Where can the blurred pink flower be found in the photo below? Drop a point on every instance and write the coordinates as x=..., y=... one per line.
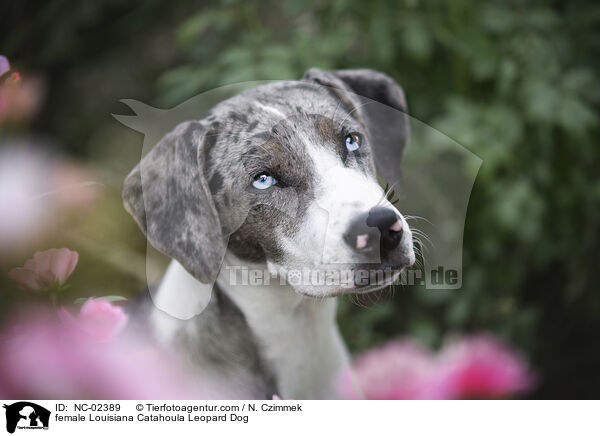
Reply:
x=19, y=98
x=473, y=367
x=43, y=358
x=481, y=367
x=398, y=370
x=4, y=65
x=24, y=215
x=99, y=319
x=35, y=189
x=45, y=269
x=73, y=185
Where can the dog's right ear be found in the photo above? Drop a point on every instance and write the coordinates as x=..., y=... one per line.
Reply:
x=168, y=196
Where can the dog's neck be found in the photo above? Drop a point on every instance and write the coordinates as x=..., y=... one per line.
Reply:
x=297, y=337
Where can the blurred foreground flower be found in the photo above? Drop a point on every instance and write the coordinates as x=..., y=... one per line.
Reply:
x=47, y=269
x=472, y=367
x=98, y=318
x=23, y=214
x=72, y=185
x=4, y=65
x=396, y=371
x=481, y=367
x=43, y=358
x=19, y=99
x=35, y=191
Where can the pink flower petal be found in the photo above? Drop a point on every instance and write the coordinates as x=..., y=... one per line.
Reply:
x=66, y=318
x=395, y=371
x=26, y=278
x=46, y=268
x=481, y=367
x=472, y=367
x=39, y=262
x=4, y=65
x=44, y=359
x=100, y=319
x=62, y=263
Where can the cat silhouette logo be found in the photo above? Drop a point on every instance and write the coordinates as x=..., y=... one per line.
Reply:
x=26, y=415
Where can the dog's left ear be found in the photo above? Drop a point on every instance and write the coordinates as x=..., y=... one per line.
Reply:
x=381, y=104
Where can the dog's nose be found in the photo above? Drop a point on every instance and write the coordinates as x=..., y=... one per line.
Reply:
x=380, y=227
x=389, y=226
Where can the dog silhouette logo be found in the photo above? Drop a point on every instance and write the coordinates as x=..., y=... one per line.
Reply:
x=26, y=415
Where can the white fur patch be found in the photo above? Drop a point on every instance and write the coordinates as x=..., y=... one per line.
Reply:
x=271, y=110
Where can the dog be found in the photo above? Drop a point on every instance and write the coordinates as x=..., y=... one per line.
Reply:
x=280, y=178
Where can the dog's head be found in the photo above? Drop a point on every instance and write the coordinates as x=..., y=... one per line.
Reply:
x=284, y=174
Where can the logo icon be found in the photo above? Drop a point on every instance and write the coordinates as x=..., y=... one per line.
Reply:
x=26, y=415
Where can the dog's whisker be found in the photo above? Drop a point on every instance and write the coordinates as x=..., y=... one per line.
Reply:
x=336, y=109
x=389, y=193
x=416, y=217
x=420, y=252
x=423, y=250
x=354, y=110
x=418, y=259
x=424, y=236
x=420, y=232
x=356, y=300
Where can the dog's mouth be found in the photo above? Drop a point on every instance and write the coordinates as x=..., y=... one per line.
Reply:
x=377, y=286
x=368, y=287
x=331, y=280
x=372, y=287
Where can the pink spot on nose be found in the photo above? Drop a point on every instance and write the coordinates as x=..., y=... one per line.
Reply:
x=397, y=226
x=361, y=241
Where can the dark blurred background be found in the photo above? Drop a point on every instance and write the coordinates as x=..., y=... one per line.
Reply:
x=515, y=82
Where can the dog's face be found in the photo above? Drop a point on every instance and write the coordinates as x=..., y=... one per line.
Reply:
x=284, y=174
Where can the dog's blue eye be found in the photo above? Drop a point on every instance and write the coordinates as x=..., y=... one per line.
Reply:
x=353, y=141
x=263, y=181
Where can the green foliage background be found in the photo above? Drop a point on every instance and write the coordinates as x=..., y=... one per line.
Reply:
x=516, y=82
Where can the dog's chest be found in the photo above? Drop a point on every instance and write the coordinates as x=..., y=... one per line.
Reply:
x=297, y=337
x=257, y=340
